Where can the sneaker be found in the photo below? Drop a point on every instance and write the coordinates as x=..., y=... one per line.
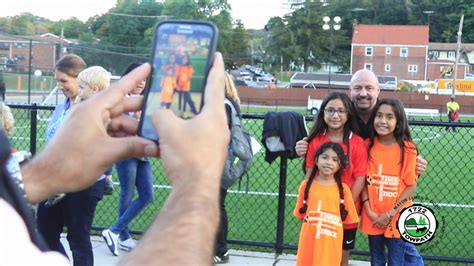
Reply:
x=111, y=239
x=109, y=187
x=53, y=200
x=220, y=259
x=127, y=245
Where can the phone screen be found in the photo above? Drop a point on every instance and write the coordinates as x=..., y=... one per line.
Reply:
x=181, y=59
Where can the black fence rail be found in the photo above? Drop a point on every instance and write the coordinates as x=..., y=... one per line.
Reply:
x=260, y=206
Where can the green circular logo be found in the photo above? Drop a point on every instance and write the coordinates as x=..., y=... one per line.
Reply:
x=417, y=224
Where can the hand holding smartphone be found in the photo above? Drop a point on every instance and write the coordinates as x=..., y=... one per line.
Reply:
x=181, y=59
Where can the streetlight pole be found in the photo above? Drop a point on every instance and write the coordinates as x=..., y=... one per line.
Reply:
x=428, y=12
x=455, y=71
x=330, y=25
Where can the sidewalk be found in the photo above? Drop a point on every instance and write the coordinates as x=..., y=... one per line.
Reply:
x=103, y=257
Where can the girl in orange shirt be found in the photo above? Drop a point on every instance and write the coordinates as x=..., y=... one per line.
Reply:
x=168, y=83
x=391, y=183
x=324, y=204
x=185, y=74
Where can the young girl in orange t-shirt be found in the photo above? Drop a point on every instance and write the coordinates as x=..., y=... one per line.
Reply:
x=324, y=204
x=391, y=183
x=336, y=122
x=168, y=83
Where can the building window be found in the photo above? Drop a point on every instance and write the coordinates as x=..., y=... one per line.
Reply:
x=413, y=68
x=388, y=67
x=451, y=54
x=404, y=52
x=388, y=50
x=433, y=54
x=368, y=51
x=368, y=66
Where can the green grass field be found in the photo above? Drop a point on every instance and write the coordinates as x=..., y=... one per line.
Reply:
x=252, y=205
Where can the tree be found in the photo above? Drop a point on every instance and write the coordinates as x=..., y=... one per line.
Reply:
x=223, y=21
x=126, y=23
x=28, y=24
x=182, y=9
x=240, y=44
x=72, y=28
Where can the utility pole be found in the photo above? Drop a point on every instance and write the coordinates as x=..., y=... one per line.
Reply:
x=455, y=71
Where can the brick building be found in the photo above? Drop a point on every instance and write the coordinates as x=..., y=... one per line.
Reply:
x=45, y=51
x=391, y=50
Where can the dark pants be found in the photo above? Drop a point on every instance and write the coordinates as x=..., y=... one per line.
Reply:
x=221, y=241
x=76, y=212
x=450, y=121
x=188, y=100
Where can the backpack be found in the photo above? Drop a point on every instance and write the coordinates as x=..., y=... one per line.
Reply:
x=239, y=158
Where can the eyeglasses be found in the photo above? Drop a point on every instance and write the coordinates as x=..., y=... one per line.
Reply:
x=331, y=111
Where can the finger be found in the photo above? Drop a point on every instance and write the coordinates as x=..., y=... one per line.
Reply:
x=115, y=94
x=214, y=92
x=132, y=146
x=123, y=125
x=129, y=104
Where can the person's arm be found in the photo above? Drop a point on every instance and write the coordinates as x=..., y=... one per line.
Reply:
x=358, y=159
x=366, y=204
x=357, y=187
x=79, y=152
x=421, y=165
x=383, y=220
x=193, y=153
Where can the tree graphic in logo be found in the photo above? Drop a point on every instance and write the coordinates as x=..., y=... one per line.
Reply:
x=417, y=224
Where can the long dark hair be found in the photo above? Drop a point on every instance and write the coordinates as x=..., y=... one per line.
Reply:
x=319, y=125
x=131, y=67
x=402, y=130
x=337, y=176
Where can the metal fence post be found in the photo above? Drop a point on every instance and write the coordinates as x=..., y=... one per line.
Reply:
x=281, y=205
x=33, y=128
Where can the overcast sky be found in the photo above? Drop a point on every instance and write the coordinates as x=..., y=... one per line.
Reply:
x=253, y=13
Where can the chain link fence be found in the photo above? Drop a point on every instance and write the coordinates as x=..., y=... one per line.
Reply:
x=260, y=206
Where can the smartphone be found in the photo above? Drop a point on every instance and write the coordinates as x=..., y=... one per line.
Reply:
x=181, y=57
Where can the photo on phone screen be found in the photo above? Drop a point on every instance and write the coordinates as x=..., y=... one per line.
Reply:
x=181, y=58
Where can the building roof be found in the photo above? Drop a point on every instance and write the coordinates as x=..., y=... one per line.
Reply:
x=47, y=38
x=450, y=46
x=391, y=34
x=321, y=80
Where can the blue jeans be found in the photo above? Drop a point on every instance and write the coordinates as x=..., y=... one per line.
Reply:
x=76, y=212
x=400, y=252
x=132, y=173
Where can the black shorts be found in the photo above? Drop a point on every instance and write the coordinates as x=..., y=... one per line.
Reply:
x=349, y=239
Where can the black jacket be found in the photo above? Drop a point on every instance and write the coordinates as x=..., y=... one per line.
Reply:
x=290, y=127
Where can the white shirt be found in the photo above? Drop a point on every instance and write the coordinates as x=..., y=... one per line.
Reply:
x=16, y=247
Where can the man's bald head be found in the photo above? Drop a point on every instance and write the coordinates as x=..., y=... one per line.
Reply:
x=364, y=91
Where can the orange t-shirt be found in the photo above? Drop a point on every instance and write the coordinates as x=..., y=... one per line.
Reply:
x=168, y=84
x=185, y=73
x=321, y=233
x=386, y=180
x=357, y=157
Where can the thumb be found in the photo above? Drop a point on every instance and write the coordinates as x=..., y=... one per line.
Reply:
x=133, y=146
